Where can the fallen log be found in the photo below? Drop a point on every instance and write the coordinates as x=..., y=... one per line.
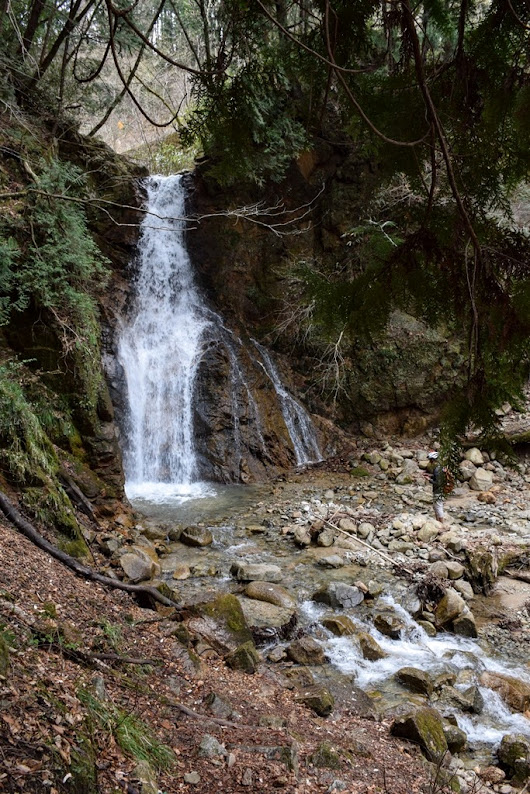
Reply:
x=29, y=531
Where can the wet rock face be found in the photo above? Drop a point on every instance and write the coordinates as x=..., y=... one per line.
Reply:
x=240, y=432
x=424, y=727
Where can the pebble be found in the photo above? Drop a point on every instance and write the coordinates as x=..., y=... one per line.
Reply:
x=192, y=777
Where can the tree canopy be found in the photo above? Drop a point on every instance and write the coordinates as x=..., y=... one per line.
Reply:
x=435, y=94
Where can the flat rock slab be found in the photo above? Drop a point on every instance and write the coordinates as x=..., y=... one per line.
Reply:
x=256, y=572
x=272, y=593
x=261, y=614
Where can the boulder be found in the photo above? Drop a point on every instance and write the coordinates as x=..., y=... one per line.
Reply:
x=210, y=747
x=514, y=757
x=317, y=698
x=221, y=623
x=196, y=536
x=262, y=615
x=429, y=531
x=252, y=572
x=145, y=775
x=465, y=625
x=449, y=608
x=424, y=727
x=331, y=561
x=389, y=624
x=475, y=456
x=455, y=737
x=514, y=692
x=469, y=700
x=272, y=593
x=415, y=680
x=340, y=625
x=370, y=648
x=138, y=565
x=439, y=569
x=306, y=651
x=339, y=595
x=245, y=658
x=467, y=470
x=482, y=480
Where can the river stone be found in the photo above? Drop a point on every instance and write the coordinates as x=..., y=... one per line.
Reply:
x=340, y=625
x=464, y=588
x=475, y=456
x=449, y=608
x=425, y=728
x=256, y=572
x=467, y=470
x=429, y=531
x=196, y=536
x=427, y=627
x=415, y=680
x=365, y=529
x=482, y=480
x=465, y=625
x=181, y=572
x=370, y=648
x=514, y=757
x=469, y=700
x=455, y=737
x=455, y=569
x=262, y=614
x=221, y=623
x=302, y=536
x=389, y=624
x=317, y=698
x=514, y=692
x=272, y=593
x=439, y=569
x=305, y=651
x=331, y=561
x=326, y=538
x=339, y=595
x=347, y=525
x=138, y=565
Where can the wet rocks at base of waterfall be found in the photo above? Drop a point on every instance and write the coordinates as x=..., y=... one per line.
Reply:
x=306, y=651
x=514, y=758
x=250, y=572
x=415, y=680
x=514, y=692
x=139, y=564
x=424, y=727
x=339, y=595
x=272, y=593
x=196, y=536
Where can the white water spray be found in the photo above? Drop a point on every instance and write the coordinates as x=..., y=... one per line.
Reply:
x=160, y=350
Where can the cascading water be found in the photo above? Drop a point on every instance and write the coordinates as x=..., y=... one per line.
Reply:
x=160, y=349
x=296, y=418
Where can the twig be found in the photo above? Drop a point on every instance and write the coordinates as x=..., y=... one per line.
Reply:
x=366, y=545
x=84, y=571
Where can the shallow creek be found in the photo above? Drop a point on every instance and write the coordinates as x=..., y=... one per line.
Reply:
x=247, y=524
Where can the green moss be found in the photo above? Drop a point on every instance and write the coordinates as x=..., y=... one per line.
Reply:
x=4, y=656
x=83, y=766
x=227, y=610
x=325, y=756
x=245, y=658
x=359, y=471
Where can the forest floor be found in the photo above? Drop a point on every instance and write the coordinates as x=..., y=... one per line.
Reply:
x=71, y=722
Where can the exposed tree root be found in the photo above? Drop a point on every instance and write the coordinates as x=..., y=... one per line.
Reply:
x=29, y=531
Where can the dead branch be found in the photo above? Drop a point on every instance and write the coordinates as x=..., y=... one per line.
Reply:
x=521, y=576
x=29, y=531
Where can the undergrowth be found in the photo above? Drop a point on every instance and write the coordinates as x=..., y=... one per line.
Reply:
x=132, y=734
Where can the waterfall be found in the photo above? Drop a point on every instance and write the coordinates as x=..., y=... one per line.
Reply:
x=159, y=348
x=296, y=418
x=160, y=345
